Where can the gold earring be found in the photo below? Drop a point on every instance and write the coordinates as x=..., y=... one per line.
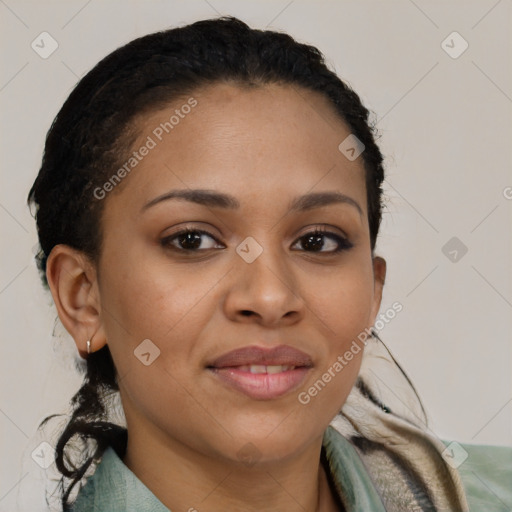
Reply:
x=88, y=346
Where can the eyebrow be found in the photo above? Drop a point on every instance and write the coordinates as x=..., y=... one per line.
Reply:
x=219, y=200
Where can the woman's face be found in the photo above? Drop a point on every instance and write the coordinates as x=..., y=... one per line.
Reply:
x=252, y=274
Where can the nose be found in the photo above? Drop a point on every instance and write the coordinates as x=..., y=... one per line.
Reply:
x=265, y=292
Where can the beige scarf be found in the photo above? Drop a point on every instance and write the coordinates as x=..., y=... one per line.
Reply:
x=385, y=422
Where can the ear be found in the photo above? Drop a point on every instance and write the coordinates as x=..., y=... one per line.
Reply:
x=72, y=278
x=379, y=277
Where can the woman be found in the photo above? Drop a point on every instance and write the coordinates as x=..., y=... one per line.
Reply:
x=207, y=208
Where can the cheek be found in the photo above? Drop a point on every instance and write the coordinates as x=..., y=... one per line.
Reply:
x=157, y=377
x=344, y=304
x=147, y=302
x=150, y=293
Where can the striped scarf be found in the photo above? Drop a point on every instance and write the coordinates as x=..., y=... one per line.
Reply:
x=384, y=420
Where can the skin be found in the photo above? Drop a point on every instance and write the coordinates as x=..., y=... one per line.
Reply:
x=265, y=146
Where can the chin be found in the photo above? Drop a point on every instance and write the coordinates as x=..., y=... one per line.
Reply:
x=268, y=440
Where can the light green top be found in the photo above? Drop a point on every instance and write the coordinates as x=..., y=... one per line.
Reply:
x=486, y=475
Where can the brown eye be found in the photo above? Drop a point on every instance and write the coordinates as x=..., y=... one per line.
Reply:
x=322, y=241
x=192, y=240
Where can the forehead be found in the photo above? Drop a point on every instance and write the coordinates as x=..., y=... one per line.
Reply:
x=260, y=142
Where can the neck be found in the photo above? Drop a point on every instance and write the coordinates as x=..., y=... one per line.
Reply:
x=183, y=479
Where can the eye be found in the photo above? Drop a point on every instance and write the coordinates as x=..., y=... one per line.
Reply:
x=190, y=240
x=321, y=240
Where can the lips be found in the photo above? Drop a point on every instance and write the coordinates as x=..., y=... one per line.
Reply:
x=283, y=355
x=262, y=373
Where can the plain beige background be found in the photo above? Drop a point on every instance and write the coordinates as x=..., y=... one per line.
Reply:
x=445, y=123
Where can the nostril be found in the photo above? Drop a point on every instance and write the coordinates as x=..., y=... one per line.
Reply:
x=246, y=312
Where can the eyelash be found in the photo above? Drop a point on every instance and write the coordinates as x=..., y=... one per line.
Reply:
x=343, y=243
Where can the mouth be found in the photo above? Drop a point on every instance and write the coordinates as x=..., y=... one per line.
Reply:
x=262, y=373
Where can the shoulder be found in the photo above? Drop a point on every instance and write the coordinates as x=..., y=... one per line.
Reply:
x=115, y=488
x=486, y=474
